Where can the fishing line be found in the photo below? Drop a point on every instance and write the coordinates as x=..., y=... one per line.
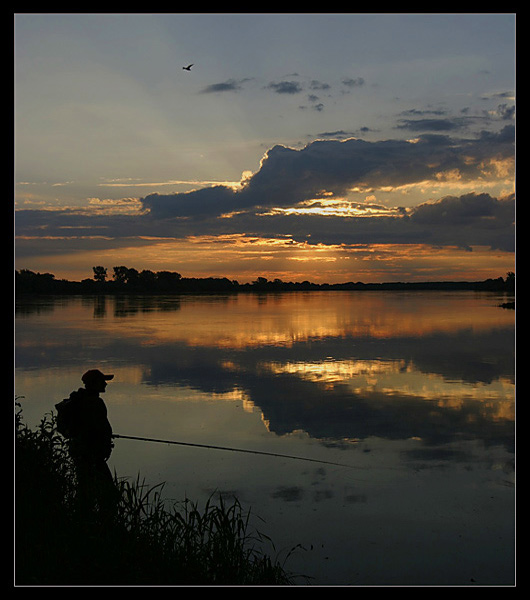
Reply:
x=210, y=447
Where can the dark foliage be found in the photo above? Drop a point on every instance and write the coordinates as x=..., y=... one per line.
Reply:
x=130, y=281
x=147, y=541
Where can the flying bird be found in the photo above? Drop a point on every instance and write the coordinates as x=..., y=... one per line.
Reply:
x=188, y=68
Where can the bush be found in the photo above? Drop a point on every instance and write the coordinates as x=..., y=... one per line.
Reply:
x=150, y=541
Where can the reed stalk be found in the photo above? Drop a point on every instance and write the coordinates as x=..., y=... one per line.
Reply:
x=149, y=540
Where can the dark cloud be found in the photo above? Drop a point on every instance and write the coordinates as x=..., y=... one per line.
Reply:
x=431, y=124
x=469, y=220
x=198, y=203
x=505, y=138
x=438, y=120
x=231, y=85
x=319, y=85
x=457, y=210
x=415, y=112
x=315, y=103
x=349, y=82
x=462, y=221
x=339, y=133
x=508, y=95
x=342, y=133
x=505, y=112
x=285, y=87
x=465, y=221
x=288, y=177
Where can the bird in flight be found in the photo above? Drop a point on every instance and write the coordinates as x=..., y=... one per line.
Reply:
x=188, y=68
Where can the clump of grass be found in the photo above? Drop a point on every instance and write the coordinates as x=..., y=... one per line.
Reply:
x=214, y=545
x=150, y=540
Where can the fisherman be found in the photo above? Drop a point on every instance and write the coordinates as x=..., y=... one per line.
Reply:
x=83, y=419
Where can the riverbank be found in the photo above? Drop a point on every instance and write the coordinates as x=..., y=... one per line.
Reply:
x=131, y=281
x=147, y=542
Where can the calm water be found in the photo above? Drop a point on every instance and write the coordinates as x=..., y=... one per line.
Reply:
x=415, y=391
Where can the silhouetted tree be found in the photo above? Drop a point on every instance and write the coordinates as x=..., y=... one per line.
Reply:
x=28, y=281
x=147, y=279
x=260, y=282
x=167, y=280
x=120, y=274
x=129, y=280
x=132, y=277
x=100, y=273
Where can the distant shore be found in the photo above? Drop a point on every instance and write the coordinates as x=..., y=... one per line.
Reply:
x=131, y=281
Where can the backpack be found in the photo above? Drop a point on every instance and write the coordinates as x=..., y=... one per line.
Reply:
x=67, y=421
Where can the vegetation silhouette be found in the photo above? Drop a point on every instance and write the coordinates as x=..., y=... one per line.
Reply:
x=131, y=281
x=151, y=541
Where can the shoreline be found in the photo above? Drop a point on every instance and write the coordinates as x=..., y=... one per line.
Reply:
x=28, y=282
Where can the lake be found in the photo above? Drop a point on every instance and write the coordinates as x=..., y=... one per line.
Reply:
x=413, y=391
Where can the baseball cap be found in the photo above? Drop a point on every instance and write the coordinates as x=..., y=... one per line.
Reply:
x=94, y=375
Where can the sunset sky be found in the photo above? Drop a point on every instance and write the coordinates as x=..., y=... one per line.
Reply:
x=322, y=147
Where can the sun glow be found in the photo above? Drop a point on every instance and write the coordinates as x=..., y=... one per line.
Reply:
x=336, y=207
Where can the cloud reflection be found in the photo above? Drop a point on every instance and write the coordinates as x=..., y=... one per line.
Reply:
x=337, y=366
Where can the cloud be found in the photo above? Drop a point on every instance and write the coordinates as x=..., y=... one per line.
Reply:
x=351, y=83
x=440, y=122
x=285, y=87
x=206, y=201
x=338, y=133
x=431, y=124
x=232, y=85
x=505, y=112
x=315, y=104
x=289, y=86
x=415, y=112
x=322, y=170
x=469, y=220
x=464, y=221
x=342, y=133
x=319, y=85
x=288, y=176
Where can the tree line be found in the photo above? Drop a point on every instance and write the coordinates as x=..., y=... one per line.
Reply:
x=129, y=280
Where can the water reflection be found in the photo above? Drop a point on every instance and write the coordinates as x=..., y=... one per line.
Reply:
x=240, y=321
x=336, y=365
x=416, y=390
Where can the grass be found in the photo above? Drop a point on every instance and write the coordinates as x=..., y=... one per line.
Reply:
x=150, y=541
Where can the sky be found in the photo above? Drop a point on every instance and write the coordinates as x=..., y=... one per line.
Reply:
x=323, y=147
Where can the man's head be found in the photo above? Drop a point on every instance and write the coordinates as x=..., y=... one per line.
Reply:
x=95, y=380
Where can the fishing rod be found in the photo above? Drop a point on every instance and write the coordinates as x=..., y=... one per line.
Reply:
x=210, y=447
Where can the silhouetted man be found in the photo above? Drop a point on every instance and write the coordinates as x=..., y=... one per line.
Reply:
x=90, y=435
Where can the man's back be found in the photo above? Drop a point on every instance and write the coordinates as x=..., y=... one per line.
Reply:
x=88, y=427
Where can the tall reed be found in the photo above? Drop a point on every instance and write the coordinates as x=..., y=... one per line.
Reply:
x=149, y=540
